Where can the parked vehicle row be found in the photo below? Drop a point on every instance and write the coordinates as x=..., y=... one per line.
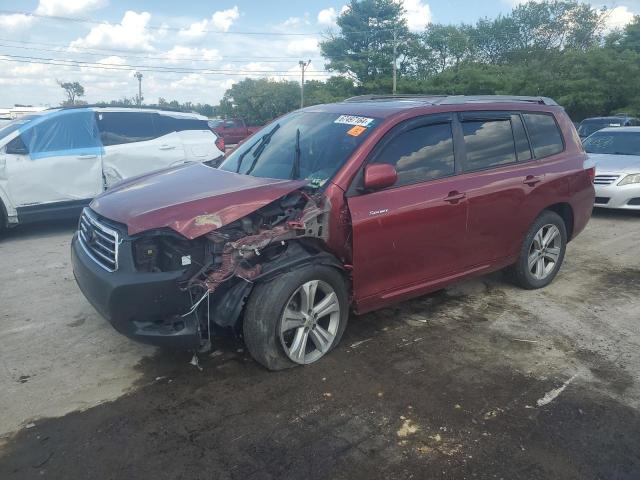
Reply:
x=53, y=163
x=358, y=204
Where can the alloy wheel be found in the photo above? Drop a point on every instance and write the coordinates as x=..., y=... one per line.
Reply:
x=310, y=322
x=544, y=252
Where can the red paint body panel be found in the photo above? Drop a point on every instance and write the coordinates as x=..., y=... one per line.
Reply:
x=398, y=243
x=179, y=197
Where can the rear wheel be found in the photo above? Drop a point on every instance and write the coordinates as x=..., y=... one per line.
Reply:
x=296, y=318
x=542, y=252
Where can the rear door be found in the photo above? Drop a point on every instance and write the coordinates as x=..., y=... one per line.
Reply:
x=499, y=178
x=198, y=141
x=55, y=159
x=133, y=145
x=413, y=233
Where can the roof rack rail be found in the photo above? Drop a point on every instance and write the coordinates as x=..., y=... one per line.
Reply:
x=456, y=99
x=398, y=96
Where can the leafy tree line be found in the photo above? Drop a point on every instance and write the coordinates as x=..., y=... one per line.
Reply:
x=555, y=48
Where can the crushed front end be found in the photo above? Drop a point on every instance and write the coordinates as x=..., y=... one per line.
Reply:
x=161, y=288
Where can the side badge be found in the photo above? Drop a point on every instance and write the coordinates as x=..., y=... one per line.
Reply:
x=378, y=212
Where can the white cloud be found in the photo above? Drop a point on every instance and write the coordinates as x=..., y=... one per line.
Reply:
x=327, y=16
x=306, y=45
x=618, y=17
x=181, y=54
x=417, y=14
x=296, y=21
x=220, y=20
x=131, y=34
x=15, y=21
x=225, y=18
x=196, y=30
x=68, y=7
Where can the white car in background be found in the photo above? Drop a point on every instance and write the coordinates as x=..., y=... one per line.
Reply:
x=616, y=153
x=53, y=163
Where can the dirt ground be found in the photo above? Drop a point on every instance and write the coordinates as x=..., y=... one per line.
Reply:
x=482, y=380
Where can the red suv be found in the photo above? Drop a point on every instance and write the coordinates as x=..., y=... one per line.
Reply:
x=359, y=204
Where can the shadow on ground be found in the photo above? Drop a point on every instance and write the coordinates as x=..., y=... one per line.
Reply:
x=402, y=397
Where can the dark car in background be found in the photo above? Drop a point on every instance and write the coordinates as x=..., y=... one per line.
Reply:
x=354, y=205
x=591, y=125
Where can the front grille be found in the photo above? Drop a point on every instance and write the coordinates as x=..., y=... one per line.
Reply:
x=602, y=200
x=98, y=241
x=605, y=179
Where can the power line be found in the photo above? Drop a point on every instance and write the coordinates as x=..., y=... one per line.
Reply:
x=82, y=63
x=127, y=68
x=154, y=27
x=166, y=58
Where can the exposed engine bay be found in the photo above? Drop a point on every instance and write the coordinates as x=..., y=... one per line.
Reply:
x=221, y=266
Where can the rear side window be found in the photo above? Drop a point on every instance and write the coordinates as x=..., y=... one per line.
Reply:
x=125, y=127
x=166, y=124
x=489, y=143
x=544, y=134
x=424, y=153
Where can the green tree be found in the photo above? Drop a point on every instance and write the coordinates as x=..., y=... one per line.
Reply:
x=73, y=90
x=259, y=101
x=363, y=49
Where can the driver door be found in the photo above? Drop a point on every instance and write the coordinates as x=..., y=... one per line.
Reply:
x=411, y=235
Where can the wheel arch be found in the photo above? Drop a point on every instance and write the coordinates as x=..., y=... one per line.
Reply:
x=227, y=309
x=565, y=211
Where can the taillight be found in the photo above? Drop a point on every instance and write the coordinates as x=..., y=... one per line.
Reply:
x=590, y=167
x=220, y=144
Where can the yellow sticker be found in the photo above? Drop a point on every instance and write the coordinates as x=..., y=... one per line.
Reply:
x=355, y=131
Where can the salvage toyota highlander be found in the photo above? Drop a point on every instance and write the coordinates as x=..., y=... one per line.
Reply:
x=355, y=205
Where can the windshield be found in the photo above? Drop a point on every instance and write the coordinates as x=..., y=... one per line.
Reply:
x=617, y=143
x=308, y=145
x=587, y=127
x=14, y=125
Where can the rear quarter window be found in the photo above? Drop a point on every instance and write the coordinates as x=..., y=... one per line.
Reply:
x=489, y=143
x=166, y=124
x=544, y=133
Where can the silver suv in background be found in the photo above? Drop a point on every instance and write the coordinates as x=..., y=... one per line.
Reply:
x=53, y=163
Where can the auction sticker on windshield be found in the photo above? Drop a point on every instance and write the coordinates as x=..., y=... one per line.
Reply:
x=354, y=120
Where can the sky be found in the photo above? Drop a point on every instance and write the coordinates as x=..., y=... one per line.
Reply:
x=190, y=50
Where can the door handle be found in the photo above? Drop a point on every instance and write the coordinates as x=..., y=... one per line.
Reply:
x=86, y=157
x=167, y=147
x=455, y=197
x=532, y=180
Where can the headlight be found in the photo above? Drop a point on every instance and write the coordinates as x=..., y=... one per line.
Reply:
x=629, y=179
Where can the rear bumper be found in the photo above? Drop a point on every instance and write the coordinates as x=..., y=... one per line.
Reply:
x=146, y=307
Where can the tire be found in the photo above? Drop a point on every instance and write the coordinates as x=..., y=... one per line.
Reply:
x=546, y=258
x=264, y=319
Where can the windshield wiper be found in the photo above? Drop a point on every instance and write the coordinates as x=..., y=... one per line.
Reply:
x=264, y=141
x=295, y=168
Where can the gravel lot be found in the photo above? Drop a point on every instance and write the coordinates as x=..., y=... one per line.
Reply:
x=482, y=380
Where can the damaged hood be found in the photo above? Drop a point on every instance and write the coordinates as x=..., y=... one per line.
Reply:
x=191, y=199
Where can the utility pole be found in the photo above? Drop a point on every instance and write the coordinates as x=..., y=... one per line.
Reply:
x=303, y=67
x=395, y=50
x=138, y=75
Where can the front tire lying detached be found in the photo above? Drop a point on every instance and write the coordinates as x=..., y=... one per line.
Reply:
x=542, y=252
x=297, y=318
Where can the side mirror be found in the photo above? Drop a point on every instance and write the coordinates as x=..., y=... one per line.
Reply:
x=379, y=175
